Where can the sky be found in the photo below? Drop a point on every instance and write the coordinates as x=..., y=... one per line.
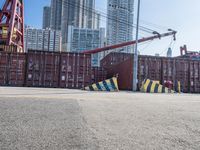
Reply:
x=159, y=15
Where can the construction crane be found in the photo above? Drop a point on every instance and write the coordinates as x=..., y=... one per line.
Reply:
x=12, y=24
x=157, y=36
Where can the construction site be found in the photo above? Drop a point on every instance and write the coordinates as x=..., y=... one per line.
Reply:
x=59, y=100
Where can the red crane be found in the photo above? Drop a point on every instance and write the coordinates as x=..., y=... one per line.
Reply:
x=12, y=24
x=157, y=36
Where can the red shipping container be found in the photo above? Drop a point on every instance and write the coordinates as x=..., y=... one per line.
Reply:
x=114, y=59
x=16, y=71
x=182, y=74
x=51, y=69
x=194, y=76
x=124, y=71
x=43, y=69
x=12, y=69
x=156, y=68
x=149, y=67
x=4, y=57
x=98, y=74
x=168, y=70
x=75, y=70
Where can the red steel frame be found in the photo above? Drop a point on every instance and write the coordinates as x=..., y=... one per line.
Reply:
x=12, y=24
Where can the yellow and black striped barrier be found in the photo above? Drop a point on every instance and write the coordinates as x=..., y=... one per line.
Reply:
x=150, y=86
x=110, y=85
x=178, y=86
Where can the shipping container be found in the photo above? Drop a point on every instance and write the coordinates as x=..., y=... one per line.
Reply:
x=12, y=68
x=149, y=67
x=75, y=70
x=124, y=72
x=98, y=74
x=16, y=70
x=4, y=57
x=194, y=74
x=168, y=69
x=160, y=69
x=42, y=69
x=114, y=59
x=182, y=74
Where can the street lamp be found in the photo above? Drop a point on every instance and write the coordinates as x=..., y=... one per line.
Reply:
x=135, y=59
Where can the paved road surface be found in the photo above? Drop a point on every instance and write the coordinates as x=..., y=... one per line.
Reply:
x=60, y=119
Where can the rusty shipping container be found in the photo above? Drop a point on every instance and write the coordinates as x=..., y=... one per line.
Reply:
x=75, y=71
x=124, y=72
x=42, y=69
x=148, y=67
x=182, y=74
x=4, y=68
x=161, y=69
x=114, y=59
x=194, y=73
x=98, y=74
x=12, y=68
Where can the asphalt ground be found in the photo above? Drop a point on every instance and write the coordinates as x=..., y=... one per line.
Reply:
x=61, y=119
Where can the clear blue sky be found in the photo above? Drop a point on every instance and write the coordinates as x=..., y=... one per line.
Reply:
x=181, y=15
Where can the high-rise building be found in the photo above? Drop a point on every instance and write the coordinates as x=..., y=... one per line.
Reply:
x=46, y=17
x=96, y=20
x=120, y=22
x=77, y=13
x=42, y=39
x=80, y=39
x=89, y=13
x=56, y=14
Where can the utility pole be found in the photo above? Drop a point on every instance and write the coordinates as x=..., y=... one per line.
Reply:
x=135, y=61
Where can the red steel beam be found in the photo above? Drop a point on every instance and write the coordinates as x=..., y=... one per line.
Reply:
x=158, y=36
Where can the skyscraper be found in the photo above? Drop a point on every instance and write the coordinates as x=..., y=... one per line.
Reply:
x=89, y=13
x=120, y=22
x=46, y=17
x=77, y=13
x=56, y=14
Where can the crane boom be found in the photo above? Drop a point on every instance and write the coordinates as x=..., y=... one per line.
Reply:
x=158, y=36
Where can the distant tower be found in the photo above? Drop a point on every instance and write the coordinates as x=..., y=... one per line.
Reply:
x=120, y=22
x=169, y=52
x=46, y=17
x=77, y=13
x=56, y=14
x=12, y=24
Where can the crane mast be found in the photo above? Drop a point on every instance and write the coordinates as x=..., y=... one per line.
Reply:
x=12, y=24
